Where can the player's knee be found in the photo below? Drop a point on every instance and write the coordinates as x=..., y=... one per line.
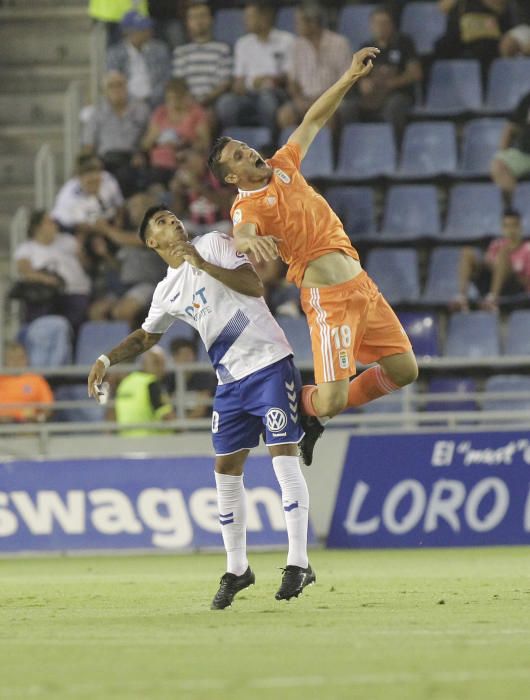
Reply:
x=332, y=404
x=406, y=373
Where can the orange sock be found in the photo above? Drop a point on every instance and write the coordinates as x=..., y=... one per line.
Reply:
x=371, y=384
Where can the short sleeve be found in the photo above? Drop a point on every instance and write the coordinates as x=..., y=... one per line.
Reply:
x=23, y=251
x=157, y=321
x=63, y=209
x=244, y=213
x=224, y=253
x=288, y=156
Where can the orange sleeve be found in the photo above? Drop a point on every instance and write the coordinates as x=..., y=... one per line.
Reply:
x=44, y=391
x=288, y=156
x=245, y=213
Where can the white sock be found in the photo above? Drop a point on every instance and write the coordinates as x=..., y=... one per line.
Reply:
x=295, y=498
x=232, y=502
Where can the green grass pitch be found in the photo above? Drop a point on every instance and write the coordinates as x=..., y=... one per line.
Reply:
x=398, y=625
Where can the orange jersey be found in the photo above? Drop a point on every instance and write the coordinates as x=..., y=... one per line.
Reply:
x=290, y=209
x=25, y=388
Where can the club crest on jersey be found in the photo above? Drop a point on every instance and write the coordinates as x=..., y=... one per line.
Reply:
x=271, y=201
x=283, y=176
x=238, y=215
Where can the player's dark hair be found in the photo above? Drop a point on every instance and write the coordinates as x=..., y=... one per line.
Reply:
x=512, y=213
x=35, y=220
x=218, y=169
x=88, y=163
x=147, y=220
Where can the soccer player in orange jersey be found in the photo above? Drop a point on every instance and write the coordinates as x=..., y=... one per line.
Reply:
x=277, y=212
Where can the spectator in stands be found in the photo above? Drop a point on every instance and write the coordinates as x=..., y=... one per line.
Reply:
x=320, y=57
x=53, y=260
x=177, y=127
x=262, y=61
x=140, y=397
x=111, y=13
x=516, y=42
x=474, y=29
x=92, y=195
x=205, y=64
x=512, y=161
x=25, y=388
x=198, y=198
x=145, y=61
x=199, y=386
x=114, y=130
x=503, y=270
x=281, y=296
x=388, y=93
x=168, y=25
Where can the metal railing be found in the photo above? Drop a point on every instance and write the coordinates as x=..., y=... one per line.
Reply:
x=71, y=126
x=98, y=42
x=44, y=175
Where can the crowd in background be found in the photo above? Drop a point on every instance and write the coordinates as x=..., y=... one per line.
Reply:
x=170, y=88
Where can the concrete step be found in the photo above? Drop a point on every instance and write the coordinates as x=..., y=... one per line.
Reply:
x=37, y=108
x=14, y=196
x=46, y=77
x=30, y=41
x=26, y=139
x=19, y=169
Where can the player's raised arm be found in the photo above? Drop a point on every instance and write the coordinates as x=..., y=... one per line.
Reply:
x=246, y=240
x=324, y=107
x=133, y=345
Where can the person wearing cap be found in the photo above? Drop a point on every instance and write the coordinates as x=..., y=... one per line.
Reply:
x=145, y=61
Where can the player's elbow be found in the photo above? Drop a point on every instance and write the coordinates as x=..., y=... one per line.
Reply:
x=257, y=289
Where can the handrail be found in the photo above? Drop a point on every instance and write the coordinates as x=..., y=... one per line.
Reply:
x=44, y=173
x=18, y=228
x=98, y=42
x=71, y=110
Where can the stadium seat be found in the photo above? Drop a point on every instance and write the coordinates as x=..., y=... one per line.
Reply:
x=90, y=413
x=521, y=202
x=424, y=22
x=474, y=334
x=297, y=332
x=96, y=337
x=228, y=25
x=508, y=82
x=411, y=212
x=178, y=330
x=255, y=136
x=395, y=271
x=474, y=211
x=508, y=382
x=354, y=22
x=454, y=88
x=366, y=151
x=518, y=334
x=318, y=161
x=442, y=276
x=355, y=207
x=396, y=402
x=48, y=341
x=422, y=330
x=451, y=385
x=429, y=149
x=285, y=19
x=480, y=141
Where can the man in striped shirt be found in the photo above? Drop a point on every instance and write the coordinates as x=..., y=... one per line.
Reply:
x=205, y=64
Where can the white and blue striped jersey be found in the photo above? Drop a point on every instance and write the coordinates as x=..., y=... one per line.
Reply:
x=239, y=332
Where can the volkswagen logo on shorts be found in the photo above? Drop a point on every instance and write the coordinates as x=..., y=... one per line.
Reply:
x=276, y=419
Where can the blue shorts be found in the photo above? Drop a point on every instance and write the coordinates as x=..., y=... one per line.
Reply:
x=265, y=402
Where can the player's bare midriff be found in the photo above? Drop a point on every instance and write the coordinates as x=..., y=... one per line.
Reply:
x=330, y=269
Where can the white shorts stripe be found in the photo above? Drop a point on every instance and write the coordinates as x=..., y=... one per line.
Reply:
x=325, y=343
x=322, y=334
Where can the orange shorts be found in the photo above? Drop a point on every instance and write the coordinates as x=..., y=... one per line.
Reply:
x=348, y=322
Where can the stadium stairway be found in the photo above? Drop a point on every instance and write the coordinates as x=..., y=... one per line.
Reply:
x=43, y=47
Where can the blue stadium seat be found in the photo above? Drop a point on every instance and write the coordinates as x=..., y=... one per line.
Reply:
x=297, y=333
x=480, y=141
x=366, y=151
x=508, y=82
x=424, y=22
x=508, y=382
x=396, y=402
x=395, y=271
x=228, y=25
x=442, y=276
x=318, y=161
x=422, y=330
x=254, y=136
x=354, y=22
x=474, y=334
x=285, y=19
x=178, y=330
x=474, y=211
x=518, y=333
x=521, y=202
x=429, y=149
x=451, y=385
x=355, y=207
x=454, y=88
x=411, y=212
x=90, y=413
x=96, y=337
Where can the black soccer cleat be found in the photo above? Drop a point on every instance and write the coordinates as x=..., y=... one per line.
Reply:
x=230, y=584
x=313, y=429
x=294, y=580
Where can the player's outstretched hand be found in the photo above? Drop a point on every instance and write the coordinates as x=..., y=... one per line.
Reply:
x=263, y=247
x=184, y=249
x=362, y=62
x=95, y=378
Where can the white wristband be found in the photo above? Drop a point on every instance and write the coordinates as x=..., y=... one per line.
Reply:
x=105, y=360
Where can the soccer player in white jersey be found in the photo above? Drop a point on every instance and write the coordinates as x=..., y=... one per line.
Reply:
x=215, y=289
